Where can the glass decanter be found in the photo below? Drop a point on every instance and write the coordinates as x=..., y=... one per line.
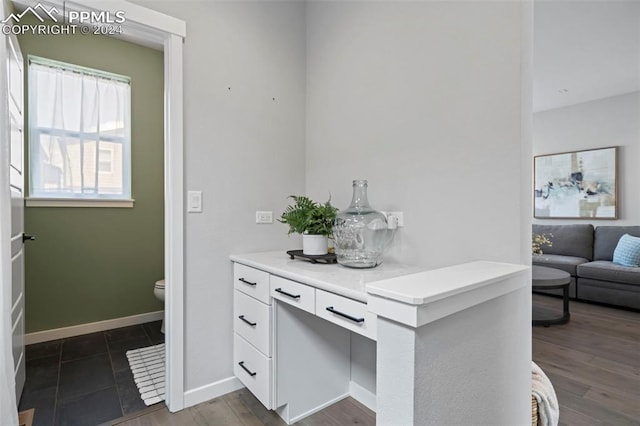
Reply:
x=360, y=233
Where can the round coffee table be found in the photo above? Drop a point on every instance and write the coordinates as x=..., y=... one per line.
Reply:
x=544, y=278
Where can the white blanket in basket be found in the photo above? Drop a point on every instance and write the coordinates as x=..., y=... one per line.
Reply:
x=548, y=409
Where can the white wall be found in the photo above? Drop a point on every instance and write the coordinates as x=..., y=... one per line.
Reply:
x=244, y=150
x=606, y=122
x=423, y=99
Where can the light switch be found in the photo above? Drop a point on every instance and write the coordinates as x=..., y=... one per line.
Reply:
x=194, y=202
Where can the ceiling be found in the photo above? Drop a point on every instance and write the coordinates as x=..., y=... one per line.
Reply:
x=584, y=50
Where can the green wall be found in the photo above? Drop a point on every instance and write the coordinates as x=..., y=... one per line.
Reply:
x=93, y=264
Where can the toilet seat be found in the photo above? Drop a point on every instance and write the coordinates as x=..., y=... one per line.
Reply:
x=158, y=290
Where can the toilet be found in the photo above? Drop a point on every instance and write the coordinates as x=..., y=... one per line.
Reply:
x=158, y=290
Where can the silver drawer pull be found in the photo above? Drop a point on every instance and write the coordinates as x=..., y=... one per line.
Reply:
x=251, y=373
x=343, y=315
x=246, y=282
x=293, y=296
x=252, y=324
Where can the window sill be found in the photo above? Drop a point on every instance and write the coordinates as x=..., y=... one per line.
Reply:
x=74, y=202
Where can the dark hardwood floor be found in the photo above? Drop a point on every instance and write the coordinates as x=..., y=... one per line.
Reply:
x=241, y=408
x=593, y=363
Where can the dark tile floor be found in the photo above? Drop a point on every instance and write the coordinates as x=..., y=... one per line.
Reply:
x=85, y=380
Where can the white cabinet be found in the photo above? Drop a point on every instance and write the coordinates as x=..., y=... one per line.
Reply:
x=253, y=331
x=347, y=313
x=292, y=341
x=252, y=320
x=333, y=332
x=254, y=369
x=296, y=294
x=252, y=282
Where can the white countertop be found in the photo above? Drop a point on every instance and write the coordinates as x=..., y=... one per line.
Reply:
x=334, y=278
x=429, y=286
x=395, y=288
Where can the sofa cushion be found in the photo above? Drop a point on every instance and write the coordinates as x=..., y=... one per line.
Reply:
x=568, y=240
x=607, y=292
x=564, y=263
x=605, y=270
x=627, y=252
x=607, y=237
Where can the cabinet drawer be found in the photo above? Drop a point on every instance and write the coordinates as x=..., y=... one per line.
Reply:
x=252, y=320
x=293, y=293
x=346, y=313
x=251, y=281
x=253, y=369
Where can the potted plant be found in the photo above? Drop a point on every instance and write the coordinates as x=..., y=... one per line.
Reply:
x=538, y=241
x=311, y=219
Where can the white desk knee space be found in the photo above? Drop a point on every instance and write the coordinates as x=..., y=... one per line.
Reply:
x=439, y=339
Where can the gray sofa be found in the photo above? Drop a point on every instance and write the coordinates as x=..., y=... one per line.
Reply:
x=586, y=253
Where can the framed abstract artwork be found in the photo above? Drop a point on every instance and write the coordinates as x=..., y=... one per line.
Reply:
x=576, y=185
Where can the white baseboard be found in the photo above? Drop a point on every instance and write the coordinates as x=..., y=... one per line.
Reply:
x=231, y=384
x=211, y=391
x=318, y=408
x=363, y=396
x=77, y=330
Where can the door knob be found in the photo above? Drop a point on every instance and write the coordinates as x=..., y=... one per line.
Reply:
x=28, y=237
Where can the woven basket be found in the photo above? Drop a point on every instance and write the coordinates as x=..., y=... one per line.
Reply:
x=534, y=411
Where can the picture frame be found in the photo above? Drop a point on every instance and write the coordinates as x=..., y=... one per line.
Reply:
x=576, y=184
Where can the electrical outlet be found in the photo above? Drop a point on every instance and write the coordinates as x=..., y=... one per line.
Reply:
x=399, y=216
x=264, y=217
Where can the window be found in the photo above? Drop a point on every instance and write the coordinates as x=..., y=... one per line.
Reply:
x=105, y=161
x=79, y=133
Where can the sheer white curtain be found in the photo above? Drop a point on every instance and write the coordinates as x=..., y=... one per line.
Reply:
x=79, y=132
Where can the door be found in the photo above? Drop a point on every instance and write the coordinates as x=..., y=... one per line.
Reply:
x=16, y=186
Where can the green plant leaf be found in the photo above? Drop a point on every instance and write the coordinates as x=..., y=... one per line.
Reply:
x=306, y=216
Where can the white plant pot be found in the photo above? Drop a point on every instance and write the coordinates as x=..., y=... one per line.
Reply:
x=314, y=245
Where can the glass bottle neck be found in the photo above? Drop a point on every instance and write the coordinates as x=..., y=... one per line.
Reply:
x=359, y=199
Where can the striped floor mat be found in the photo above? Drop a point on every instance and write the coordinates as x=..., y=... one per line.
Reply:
x=147, y=366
